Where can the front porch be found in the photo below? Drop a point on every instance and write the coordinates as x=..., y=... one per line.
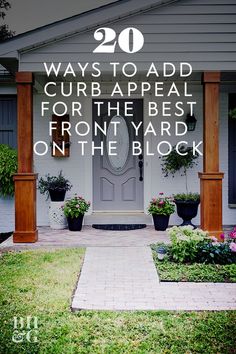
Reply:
x=25, y=180
x=89, y=237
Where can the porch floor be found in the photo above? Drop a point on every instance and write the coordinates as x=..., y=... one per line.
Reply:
x=89, y=237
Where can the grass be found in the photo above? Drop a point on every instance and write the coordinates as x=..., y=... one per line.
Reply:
x=40, y=283
x=170, y=271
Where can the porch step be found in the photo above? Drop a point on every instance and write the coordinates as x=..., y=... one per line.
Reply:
x=117, y=218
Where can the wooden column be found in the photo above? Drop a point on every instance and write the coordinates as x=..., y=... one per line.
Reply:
x=25, y=179
x=211, y=177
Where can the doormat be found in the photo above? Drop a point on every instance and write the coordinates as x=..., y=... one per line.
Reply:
x=119, y=227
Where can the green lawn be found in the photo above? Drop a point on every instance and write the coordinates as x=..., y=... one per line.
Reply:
x=40, y=283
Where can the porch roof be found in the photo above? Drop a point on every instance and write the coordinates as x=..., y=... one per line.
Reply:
x=75, y=24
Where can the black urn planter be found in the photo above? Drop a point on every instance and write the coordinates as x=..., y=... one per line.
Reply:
x=187, y=210
x=161, y=222
x=57, y=195
x=75, y=224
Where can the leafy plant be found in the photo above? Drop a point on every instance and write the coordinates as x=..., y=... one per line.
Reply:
x=8, y=166
x=54, y=183
x=75, y=207
x=161, y=206
x=232, y=113
x=174, y=162
x=195, y=246
x=185, y=243
x=187, y=197
x=216, y=252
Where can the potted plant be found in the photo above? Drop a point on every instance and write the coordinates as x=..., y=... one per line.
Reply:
x=74, y=209
x=54, y=186
x=161, y=208
x=187, y=203
x=187, y=206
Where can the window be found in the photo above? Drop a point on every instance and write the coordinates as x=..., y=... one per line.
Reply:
x=8, y=120
x=232, y=153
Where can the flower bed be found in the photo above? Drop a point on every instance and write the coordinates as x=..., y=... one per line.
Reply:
x=194, y=256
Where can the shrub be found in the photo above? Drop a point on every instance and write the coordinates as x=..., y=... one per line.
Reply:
x=75, y=207
x=185, y=243
x=195, y=246
x=216, y=252
x=161, y=206
x=8, y=166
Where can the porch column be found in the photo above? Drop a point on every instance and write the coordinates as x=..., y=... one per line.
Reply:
x=211, y=177
x=25, y=179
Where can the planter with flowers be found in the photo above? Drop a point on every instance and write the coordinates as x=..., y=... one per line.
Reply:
x=74, y=209
x=161, y=208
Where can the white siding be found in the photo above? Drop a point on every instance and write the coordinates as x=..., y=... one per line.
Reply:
x=76, y=168
x=7, y=214
x=200, y=32
x=172, y=185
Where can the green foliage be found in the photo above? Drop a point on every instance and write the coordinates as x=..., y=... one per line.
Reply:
x=40, y=283
x=232, y=113
x=53, y=182
x=190, y=245
x=187, y=197
x=5, y=33
x=75, y=207
x=175, y=162
x=185, y=243
x=216, y=252
x=196, y=272
x=8, y=166
x=161, y=206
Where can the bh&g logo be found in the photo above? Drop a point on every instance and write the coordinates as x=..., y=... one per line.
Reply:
x=25, y=329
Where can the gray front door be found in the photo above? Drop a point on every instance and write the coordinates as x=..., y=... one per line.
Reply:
x=118, y=180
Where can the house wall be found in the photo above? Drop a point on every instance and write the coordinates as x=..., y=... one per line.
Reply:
x=202, y=32
x=7, y=214
x=79, y=169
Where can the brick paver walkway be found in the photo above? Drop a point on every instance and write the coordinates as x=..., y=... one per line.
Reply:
x=119, y=273
x=125, y=278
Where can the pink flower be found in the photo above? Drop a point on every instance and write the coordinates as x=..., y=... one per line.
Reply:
x=77, y=206
x=154, y=200
x=222, y=237
x=214, y=239
x=232, y=246
x=161, y=193
x=161, y=202
x=232, y=234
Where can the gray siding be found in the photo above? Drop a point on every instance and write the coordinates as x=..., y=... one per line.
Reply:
x=202, y=32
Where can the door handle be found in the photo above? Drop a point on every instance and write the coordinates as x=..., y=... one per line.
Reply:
x=140, y=165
